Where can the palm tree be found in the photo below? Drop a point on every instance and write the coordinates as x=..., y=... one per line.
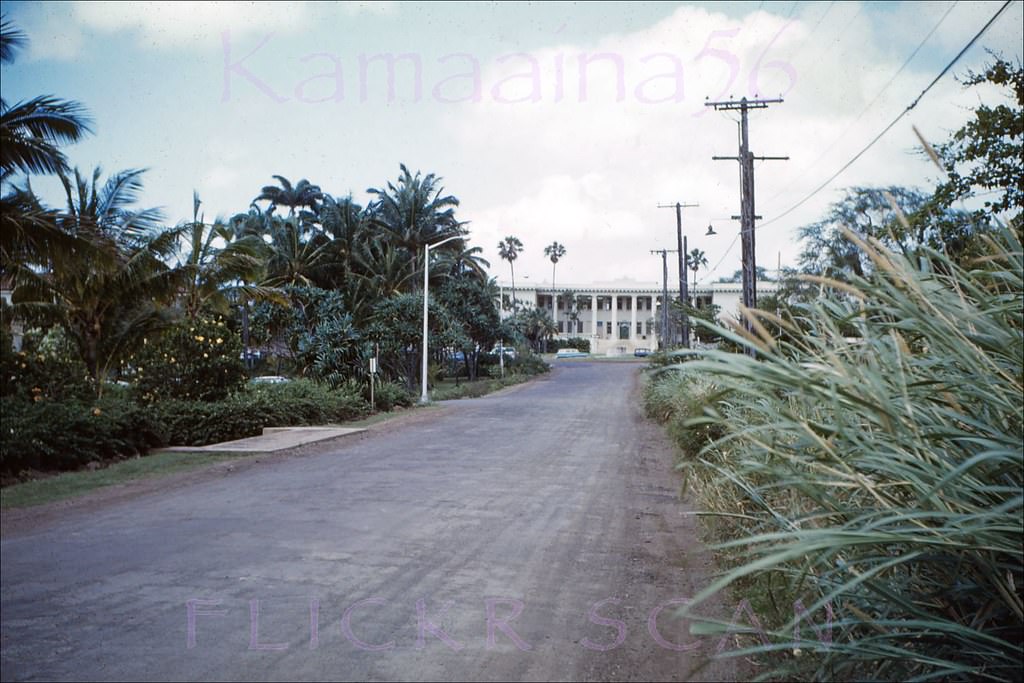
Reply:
x=697, y=261
x=296, y=259
x=571, y=313
x=302, y=194
x=349, y=227
x=466, y=263
x=554, y=251
x=30, y=133
x=109, y=297
x=414, y=213
x=11, y=40
x=509, y=250
x=536, y=325
x=31, y=130
x=219, y=275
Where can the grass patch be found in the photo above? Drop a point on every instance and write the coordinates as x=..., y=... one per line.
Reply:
x=447, y=390
x=72, y=484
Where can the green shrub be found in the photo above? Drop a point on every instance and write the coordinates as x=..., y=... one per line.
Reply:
x=678, y=398
x=527, y=363
x=246, y=413
x=578, y=343
x=194, y=360
x=50, y=372
x=388, y=395
x=48, y=435
x=881, y=474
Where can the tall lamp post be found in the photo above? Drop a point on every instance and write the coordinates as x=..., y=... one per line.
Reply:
x=424, y=395
x=501, y=333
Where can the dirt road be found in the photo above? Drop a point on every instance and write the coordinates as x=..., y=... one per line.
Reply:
x=535, y=534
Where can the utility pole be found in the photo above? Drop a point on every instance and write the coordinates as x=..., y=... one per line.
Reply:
x=664, y=294
x=684, y=294
x=747, y=215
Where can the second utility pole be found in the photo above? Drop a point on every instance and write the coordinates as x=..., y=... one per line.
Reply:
x=664, y=295
x=684, y=294
x=747, y=215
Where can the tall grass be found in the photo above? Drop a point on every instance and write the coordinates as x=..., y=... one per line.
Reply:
x=877, y=475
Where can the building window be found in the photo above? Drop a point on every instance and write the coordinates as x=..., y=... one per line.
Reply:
x=579, y=327
x=561, y=327
x=639, y=329
x=608, y=329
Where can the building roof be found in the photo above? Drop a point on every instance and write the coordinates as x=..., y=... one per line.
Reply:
x=634, y=287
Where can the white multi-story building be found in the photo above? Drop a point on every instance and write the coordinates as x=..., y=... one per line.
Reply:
x=619, y=317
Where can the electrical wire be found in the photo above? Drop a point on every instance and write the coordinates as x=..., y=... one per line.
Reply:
x=896, y=120
x=878, y=137
x=708, y=273
x=814, y=28
x=870, y=104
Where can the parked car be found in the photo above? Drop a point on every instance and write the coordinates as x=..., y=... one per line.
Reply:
x=640, y=352
x=570, y=353
x=510, y=351
x=269, y=379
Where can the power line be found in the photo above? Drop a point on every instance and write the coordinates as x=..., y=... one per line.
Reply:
x=896, y=120
x=870, y=104
x=814, y=28
x=724, y=256
x=884, y=131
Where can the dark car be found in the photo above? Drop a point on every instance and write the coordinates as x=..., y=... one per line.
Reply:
x=641, y=352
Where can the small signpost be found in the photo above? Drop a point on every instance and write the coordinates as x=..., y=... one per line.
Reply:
x=373, y=376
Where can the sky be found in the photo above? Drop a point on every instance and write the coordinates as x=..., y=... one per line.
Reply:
x=566, y=122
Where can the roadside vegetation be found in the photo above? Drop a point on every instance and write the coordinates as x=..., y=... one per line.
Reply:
x=861, y=477
x=126, y=333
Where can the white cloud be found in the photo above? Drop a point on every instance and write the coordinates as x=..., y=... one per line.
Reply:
x=589, y=171
x=177, y=24
x=61, y=30
x=382, y=7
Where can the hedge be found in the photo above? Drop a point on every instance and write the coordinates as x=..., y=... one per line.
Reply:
x=51, y=435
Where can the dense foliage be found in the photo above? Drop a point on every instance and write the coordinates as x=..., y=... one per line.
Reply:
x=311, y=280
x=196, y=359
x=59, y=435
x=878, y=475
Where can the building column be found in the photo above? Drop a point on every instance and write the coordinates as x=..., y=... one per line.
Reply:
x=632, y=321
x=593, y=315
x=615, y=318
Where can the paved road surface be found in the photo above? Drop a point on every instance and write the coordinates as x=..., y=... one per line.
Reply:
x=527, y=535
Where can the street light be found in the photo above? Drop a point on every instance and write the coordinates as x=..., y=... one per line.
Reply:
x=501, y=333
x=686, y=265
x=424, y=396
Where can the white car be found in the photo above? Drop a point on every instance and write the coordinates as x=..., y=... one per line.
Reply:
x=510, y=351
x=269, y=379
